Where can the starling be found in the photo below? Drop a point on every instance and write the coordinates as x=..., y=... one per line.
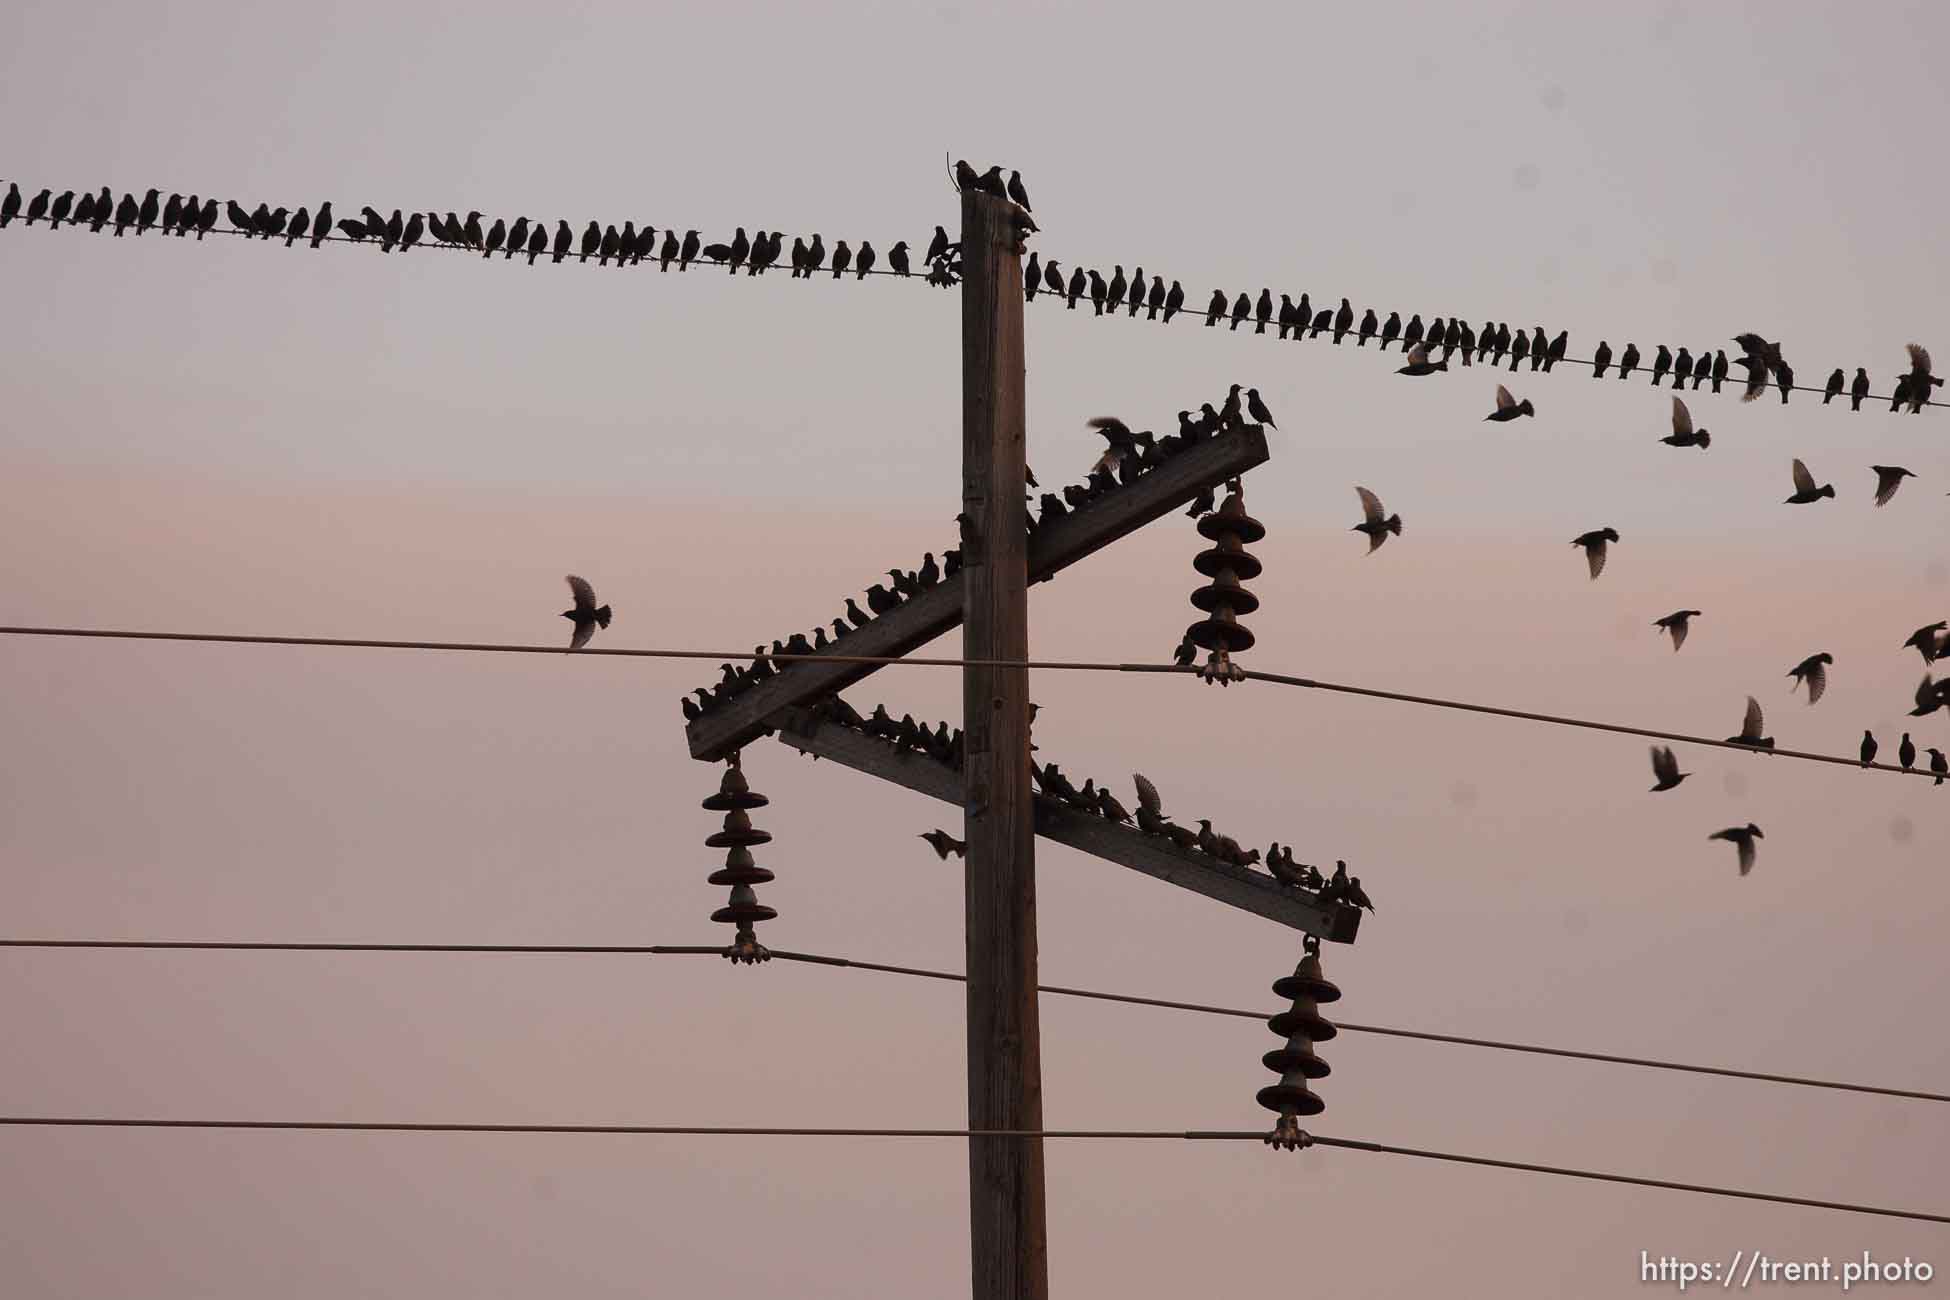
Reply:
x=1323, y=320
x=1859, y=389
x=1111, y=809
x=688, y=253
x=1629, y=361
x=10, y=206
x=1201, y=505
x=1375, y=522
x=497, y=235
x=1242, y=308
x=1556, y=353
x=410, y=233
x=1924, y=640
x=587, y=615
x=1155, y=300
x=1833, y=389
x=1938, y=765
x=1751, y=726
x=56, y=211
x=1230, y=413
x=1869, y=747
x=1344, y=321
x=1114, y=292
x=1519, y=349
x=145, y=217
x=1186, y=654
x=592, y=242
x=1174, y=301
x=321, y=225
x=1930, y=696
x=1413, y=333
x=1016, y=192
x=741, y=247
x=298, y=228
x=1032, y=278
x=1467, y=340
x=1509, y=408
x=1368, y=327
x=1288, y=314
x=1419, y=363
x=943, y=844
x=1135, y=299
x=1678, y=623
x=1719, y=368
x=1391, y=329
x=1702, y=370
x=242, y=220
x=1098, y=292
x=611, y=242
x=1539, y=348
x=842, y=258
x=352, y=230
x=1921, y=381
x=1805, y=490
x=1661, y=364
x=863, y=260
x=1888, y=479
x=1262, y=311
x=104, y=212
x=1900, y=397
x=880, y=600
x=1742, y=838
x=1593, y=543
x=1078, y=284
x=1682, y=366
x=537, y=242
x=1215, y=310
x=395, y=230
x=1784, y=379
x=564, y=241
x=1683, y=433
x=518, y=237
x=1906, y=752
x=1813, y=672
x=1257, y=409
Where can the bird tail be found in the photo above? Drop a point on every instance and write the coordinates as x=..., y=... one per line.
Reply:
x=1394, y=525
x=532, y=256
x=1526, y=407
x=602, y=616
x=1828, y=489
x=1705, y=440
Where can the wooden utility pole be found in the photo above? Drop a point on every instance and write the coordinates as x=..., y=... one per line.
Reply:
x=1007, y=1233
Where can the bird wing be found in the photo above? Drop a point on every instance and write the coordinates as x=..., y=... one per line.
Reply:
x=1887, y=481
x=1817, y=679
x=1370, y=505
x=1919, y=359
x=1503, y=399
x=1755, y=723
x=1678, y=629
x=1745, y=843
x=1418, y=355
x=1113, y=429
x=1147, y=794
x=1926, y=693
x=584, y=629
x=1682, y=419
x=585, y=594
x=1665, y=767
x=1803, y=480
x=1594, y=553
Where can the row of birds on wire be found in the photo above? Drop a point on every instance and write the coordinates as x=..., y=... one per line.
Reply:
x=1441, y=340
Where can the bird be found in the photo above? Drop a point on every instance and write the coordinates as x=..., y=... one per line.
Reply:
x=1678, y=623
x=1419, y=363
x=1186, y=654
x=1017, y=193
x=943, y=844
x=1702, y=371
x=321, y=225
x=1256, y=408
x=1412, y=332
x=299, y=227
x=125, y=214
x=1368, y=327
x=1154, y=301
x=1938, y=765
x=611, y=243
x=1539, y=348
x=56, y=211
x=1628, y=361
x=1682, y=366
x=1098, y=292
x=1930, y=696
x=1900, y=397
x=145, y=216
x=1805, y=490
x=863, y=260
x=1906, y=752
x=1888, y=479
x=1079, y=282
x=1660, y=365
x=1600, y=360
x=1751, y=725
x=1557, y=348
x=1230, y=414
x=741, y=247
x=1924, y=640
x=1665, y=769
x=1813, y=671
x=1858, y=389
x=172, y=215
x=538, y=242
x=1344, y=321
x=1174, y=301
x=1242, y=308
x=842, y=258
x=497, y=235
x=587, y=615
x=1593, y=543
x=10, y=206
x=688, y=253
x=1719, y=371
x=1869, y=747
x=1375, y=522
x=1111, y=809
x=1356, y=895
x=1508, y=407
x=1742, y=838
x=1683, y=433
x=1114, y=292
x=352, y=230
x=1784, y=379
x=1215, y=310
x=564, y=241
x=1391, y=329
x=518, y=237
x=1920, y=379
x=1833, y=389
x=241, y=219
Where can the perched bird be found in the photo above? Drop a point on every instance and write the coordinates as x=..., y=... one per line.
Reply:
x=1900, y=397
x=1742, y=838
x=1079, y=282
x=1098, y=292
x=1628, y=361
x=1111, y=809
x=587, y=615
x=1154, y=302
x=1186, y=654
x=592, y=242
x=518, y=237
x=1924, y=640
x=125, y=214
x=1257, y=409
x=1357, y=895
x=1368, y=327
x=943, y=844
x=352, y=230
x=10, y=206
x=1719, y=368
x=241, y=219
x=611, y=242
x=1858, y=389
x=1519, y=349
x=1557, y=349
x=1921, y=381
x=145, y=216
x=1906, y=752
x=1032, y=278
x=1344, y=321
x=1114, y=291
x=1242, y=308
x=1805, y=490
x=1231, y=414
x=1289, y=315
x=1751, y=726
x=1665, y=769
x=1600, y=360
x=1376, y=523
x=1593, y=543
x=1215, y=310
x=1391, y=329
x=410, y=233
x=298, y=227
x=1539, y=348
x=1812, y=671
x=1509, y=408
x=1683, y=433
x=1702, y=370
x=1135, y=299
x=1412, y=333
x=688, y=253
x=57, y=211
x=1174, y=301
x=564, y=241
x=938, y=246
x=741, y=247
x=1419, y=363
x=1939, y=765
x=1677, y=623
x=1661, y=364
x=842, y=258
x=1869, y=747
x=1016, y=192
x=321, y=225
x=1888, y=479
x=538, y=242
x=1784, y=379
x=497, y=235
x=863, y=260
x=1833, y=389
x=1682, y=366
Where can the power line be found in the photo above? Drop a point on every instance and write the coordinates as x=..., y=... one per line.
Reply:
x=955, y=977
x=1183, y=1135
x=1279, y=679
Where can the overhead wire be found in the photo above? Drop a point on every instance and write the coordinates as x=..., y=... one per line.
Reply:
x=888, y=661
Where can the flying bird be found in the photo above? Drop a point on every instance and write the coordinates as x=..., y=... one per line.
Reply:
x=1751, y=726
x=1665, y=769
x=1812, y=671
x=1921, y=381
x=1805, y=490
x=1375, y=523
x=1677, y=623
x=1924, y=640
x=587, y=615
x=1508, y=407
x=1888, y=479
x=1593, y=543
x=1930, y=696
x=1742, y=838
x=1419, y=363
x=943, y=844
x=1683, y=433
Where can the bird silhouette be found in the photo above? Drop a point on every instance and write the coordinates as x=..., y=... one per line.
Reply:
x=1419, y=363
x=943, y=844
x=1367, y=329
x=1557, y=349
x=1256, y=408
x=1742, y=838
x=592, y=242
x=1016, y=191
x=1242, y=308
x=125, y=214
x=1888, y=479
x=1344, y=321
x=1519, y=349
x=321, y=225
x=1665, y=769
x=172, y=215
x=1391, y=329
x=1858, y=389
x=10, y=205
x=1784, y=379
x=863, y=260
x=1677, y=624
x=587, y=616
x=1078, y=284
x=1833, y=389
x=352, y=230
x=537, y=242
x=611, y=244
x=1900, y=397
x=1154, y=301
x=1215, y=310
x=1906, y=753
x=1032, y=277
x=298, y=227
x=564, y=241
x=1719, y=368
x=1174, y=301
x=1539, y=348
x=1628, y=361
x=1682, y=366
x=1098, y=292
x=1593, y=543
x=897, y=258
x=1805, y=490
x=145, y=216
x=1135, y=299
x=1813, y=672
x=741, y=248
x=842, y=258
x=241, y=219
x=1509, y=408
x=1661, y=364
x=1702, y=370
x=517, y=238
x=1938, y=765
x=688, y=252
x=1375, y=522
x=497, y=235
x=1683, y=433
x=1921, y=381
x=1752, y=724
x=1930, y=696
x=1869, y=747
x=57, y=211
